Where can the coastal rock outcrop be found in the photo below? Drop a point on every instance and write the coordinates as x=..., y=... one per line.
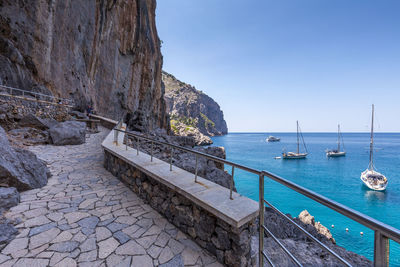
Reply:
x=104, y=53
x=20, y=168
x=68, y=133
x=9, y=197
x=191, y=110
x=300, y=245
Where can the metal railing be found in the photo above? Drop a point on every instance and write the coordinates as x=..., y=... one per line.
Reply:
x=11, y=91
x=383, y=232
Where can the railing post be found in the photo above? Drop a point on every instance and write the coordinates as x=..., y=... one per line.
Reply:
x=195, y=170
x=137, y=146
x=151, y=153
x=261, y=220
x=115, y=136
x=126, y=141
x=233, y=173
x=381, y=250
x=170, y=159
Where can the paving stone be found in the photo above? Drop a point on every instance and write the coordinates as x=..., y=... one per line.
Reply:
x=88, y=245
x=141, y=261
x=102, y=233
x=35, y=212
x=154, y=251
x=32, y=262
x=88, y=256
x=23, y=233
x=55, y=216
x=67, y=246
x=74, y=253
x=121, y=237
x=190, y=256
x=176, y=261
x=19, y=253
x=42, y=228
x=36, y=221
x=117, y=260
x=154, y=230
x=114, y=227
x=4, y=258
x=145, y=223
x=46, y=254
x=131, y=229
x=15, y=245
x=126, y=219
x=162, y=239
x=165, y=255
x=92, y=264
x=34, y=252
x=66, y=262
x=130, y=248
x=43, y=238
x=63, y=236
x=147, y=241
x=88, y=202
x=79, y=237
x=75, y=216
x=107, y=247
x=176, y=246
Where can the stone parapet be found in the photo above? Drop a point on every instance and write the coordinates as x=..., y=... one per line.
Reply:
x=203, y=210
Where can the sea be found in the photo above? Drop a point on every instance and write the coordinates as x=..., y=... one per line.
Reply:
x=335, y=178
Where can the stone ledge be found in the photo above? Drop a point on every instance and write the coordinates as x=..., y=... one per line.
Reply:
x=206, y=194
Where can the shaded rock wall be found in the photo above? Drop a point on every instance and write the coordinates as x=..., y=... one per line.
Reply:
x=192, y=108
x=105, y=53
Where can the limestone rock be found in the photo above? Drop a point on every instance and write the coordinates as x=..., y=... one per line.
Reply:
x=9, y=197
x=106, y=54
x=192, y=108
x=31, y=120
x=68, y=133
x=20, y=168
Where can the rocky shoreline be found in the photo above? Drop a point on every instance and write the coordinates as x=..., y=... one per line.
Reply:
x=308, y=252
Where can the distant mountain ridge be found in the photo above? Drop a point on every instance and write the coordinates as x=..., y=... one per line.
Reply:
x=191, y=109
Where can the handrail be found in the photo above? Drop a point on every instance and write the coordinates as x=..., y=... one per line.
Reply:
x=383, y=232
x=363, y=219
x=242, y=167
x=65, y=100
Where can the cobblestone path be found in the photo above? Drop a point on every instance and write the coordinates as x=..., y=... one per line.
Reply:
x=85, y=217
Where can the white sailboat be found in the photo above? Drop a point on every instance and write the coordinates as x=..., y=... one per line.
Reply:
x=296, y=155
x=370, y=177
x=336, y=152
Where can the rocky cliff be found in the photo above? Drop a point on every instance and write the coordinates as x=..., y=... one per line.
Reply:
x=104, y=53
x=191, y=109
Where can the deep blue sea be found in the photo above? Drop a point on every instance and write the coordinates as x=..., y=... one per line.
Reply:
x=335, y=178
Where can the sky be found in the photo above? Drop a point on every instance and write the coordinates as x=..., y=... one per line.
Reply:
x=270, y=63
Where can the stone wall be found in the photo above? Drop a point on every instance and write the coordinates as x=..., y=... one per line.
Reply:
x=229, y=244
x=12, y=110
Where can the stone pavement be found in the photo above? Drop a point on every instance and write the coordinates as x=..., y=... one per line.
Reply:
x=84, y=216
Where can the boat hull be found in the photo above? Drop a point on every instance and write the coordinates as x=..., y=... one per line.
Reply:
x=291, y=155
x=374, y=184
x=335, y=154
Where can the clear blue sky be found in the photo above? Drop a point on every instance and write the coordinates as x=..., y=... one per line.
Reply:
x=270, y=63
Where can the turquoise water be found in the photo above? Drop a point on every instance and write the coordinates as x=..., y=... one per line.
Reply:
x=335, y=178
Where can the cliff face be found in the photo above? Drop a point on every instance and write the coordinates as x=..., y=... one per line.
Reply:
x=192, y=108
x=105, y=53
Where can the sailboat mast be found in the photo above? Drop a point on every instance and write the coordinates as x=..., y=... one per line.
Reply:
x=338, y=138
x=298, y=141
x=371, y=145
